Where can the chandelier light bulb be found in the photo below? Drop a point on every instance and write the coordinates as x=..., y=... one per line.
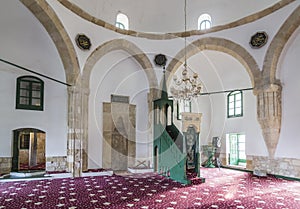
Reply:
x=195, y=75
x=184, y=73
x=175, y=78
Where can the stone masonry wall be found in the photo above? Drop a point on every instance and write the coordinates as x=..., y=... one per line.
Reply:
x=288, y=167
x=5, y=165
x=57, y=163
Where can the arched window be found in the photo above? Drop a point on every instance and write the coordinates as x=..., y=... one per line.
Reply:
x=30, y=93
x=235, y=104
x=204, y=22
x=122, y=21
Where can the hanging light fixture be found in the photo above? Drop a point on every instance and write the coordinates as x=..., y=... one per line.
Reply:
x=186, y=87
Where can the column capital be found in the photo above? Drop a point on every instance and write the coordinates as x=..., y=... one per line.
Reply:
x=269, y=114
x=267, y=88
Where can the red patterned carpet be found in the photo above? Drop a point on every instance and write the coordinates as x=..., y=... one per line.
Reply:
x=223, y=189
x=40, y=166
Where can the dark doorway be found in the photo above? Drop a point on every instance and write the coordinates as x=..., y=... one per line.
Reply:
x=191, y=139
x=156, y=157
x=28, y=150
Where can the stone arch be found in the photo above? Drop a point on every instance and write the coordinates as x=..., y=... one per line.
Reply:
x=270, y=113
x=277, y=45
x=119, y=44
x=97, y=54
x=48, y=18
x=221, y=45
x=165, y=36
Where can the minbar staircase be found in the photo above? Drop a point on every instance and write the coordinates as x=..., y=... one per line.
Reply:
x=171, y=156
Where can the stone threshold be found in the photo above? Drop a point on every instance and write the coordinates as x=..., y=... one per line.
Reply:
x=28, y=176
x=238, y=168
x=140, y=170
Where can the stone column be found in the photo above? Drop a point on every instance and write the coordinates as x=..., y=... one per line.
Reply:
x=269, y=115
x=85, y=92
x=75, y=131
x=152, y=95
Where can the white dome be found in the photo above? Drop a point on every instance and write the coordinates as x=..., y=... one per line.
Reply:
x=163, y=16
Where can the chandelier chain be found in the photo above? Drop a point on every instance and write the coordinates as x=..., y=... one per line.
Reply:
x=187, y=87
x=185, y=29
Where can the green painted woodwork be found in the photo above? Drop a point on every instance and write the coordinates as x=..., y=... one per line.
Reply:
x=237, y=149
x=287, y=178
x=233, y=150
x=168, y=141
x=171, y=161
x=176, y=136
x=30, y=93
x=170, y=156
x=235, y=104
x=15, y=158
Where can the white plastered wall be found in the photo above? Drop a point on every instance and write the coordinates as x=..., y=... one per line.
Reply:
x=289, y=74
x=168, y=15
x=220, y=72
x=25, y=42
x=117, y=73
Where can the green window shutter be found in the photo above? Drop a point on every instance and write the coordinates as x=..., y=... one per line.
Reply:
x=233, y=149
x=241, y=148
x=237, y=145
x=235, y=104
x=30, y=93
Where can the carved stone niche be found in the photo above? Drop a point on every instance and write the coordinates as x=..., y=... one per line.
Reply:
x=191, y=119
x=119, y=128
x=191, y=128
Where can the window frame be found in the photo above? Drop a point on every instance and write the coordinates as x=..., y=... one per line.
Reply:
x=125, y=23
x=236, y=145
x=205, y=23
x=204, y=19
x=234, y=95
x=24, y=142
x=187, y=105
x=120, y=25
x=30, y=90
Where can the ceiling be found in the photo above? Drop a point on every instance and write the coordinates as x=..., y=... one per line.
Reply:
x=163, y=16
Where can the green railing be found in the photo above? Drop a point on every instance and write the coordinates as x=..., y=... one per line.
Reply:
x=176, y=136
x=171, y=159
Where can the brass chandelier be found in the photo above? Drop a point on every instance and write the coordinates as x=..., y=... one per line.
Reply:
x=186, y=87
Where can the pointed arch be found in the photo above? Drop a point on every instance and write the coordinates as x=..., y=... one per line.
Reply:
x=277, y=45
x=221, y=45
x=97, y=54
x=48, y=18
x=243, y=21
x=119, y=44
